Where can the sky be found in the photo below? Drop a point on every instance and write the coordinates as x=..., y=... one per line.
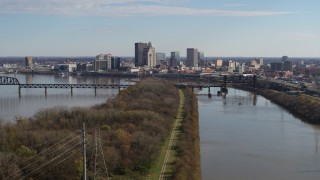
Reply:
x=223, y=28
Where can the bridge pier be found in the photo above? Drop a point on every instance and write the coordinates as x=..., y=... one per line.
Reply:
x=45, y=90
x=224, y=90
x=209, y=93
x=71, y=90
x=95, y=91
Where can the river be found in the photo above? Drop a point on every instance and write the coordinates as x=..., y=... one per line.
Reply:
x=245, y=136
x=32, y=100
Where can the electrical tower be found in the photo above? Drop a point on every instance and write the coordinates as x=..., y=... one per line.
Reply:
x=97, y=164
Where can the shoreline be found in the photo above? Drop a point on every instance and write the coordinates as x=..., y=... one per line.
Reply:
x=305, y=107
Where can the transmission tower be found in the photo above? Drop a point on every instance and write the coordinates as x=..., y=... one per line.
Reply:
x=97, y=165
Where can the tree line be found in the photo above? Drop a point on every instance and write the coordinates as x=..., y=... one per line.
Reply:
x=304, y=106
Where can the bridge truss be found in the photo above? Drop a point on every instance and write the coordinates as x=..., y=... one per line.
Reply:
x=5, y=80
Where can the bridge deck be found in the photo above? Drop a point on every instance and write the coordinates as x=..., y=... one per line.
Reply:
x=95, y=86
x=182, y=85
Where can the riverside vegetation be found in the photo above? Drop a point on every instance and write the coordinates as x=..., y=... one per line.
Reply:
x=304, y=106
x=133, y=127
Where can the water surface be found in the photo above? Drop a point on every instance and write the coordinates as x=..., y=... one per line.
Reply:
x=33, y=100
x=245, y=136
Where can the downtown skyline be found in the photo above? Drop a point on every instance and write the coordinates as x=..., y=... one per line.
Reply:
x=215, y=27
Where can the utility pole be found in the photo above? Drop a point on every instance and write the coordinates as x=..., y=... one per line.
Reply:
x=84, y=173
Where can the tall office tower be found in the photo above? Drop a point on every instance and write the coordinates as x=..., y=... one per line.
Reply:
x=285, y=58
x=276, y=66
x=256, y=63
x=241, y=68
x=28, y=62
x=149, y=55
x=115, y=62
x=138, y=58
x=174, y=59
x=232, y=66
x=219, y=62
x=160, y=57
x=201, y=56
x=192, y=57
x=287, y=66
x=102, y=62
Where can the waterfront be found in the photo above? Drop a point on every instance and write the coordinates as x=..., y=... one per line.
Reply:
x=245, y=136
x=32, y=100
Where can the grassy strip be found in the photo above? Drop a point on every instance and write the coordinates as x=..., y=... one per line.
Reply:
x=156, y=168
x=187, y=161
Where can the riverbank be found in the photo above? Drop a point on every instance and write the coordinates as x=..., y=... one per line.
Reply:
x=187, y=163
x=303, y=106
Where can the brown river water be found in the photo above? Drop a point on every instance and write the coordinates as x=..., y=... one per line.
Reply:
x=244, y=136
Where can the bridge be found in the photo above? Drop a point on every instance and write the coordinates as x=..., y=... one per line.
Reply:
x=219, y=81
x=226, y=79
x=5, y=80
x=223, y=89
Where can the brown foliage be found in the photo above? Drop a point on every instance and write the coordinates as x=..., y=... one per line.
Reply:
x=134, y=125
x=304, y=106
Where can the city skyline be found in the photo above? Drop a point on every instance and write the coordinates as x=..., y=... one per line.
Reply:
x=218, y=28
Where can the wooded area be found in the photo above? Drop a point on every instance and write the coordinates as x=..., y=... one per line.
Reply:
x=132, y=126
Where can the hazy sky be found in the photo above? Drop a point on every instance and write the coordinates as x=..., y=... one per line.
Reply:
x=216, y=27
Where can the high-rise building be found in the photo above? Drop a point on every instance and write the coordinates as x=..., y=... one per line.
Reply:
x=276, y=66
x=256, y=63
x=160, y=57
x=139, y=49
x=287, y=66
x=192, y=57
x=149, y=55
x=102, y=62
x=201, y=56
x=285, y=58
x=115, y=62
x=145, y=54
x=174, y=59
x=219, y=62
x=29, y=62
x=232, y=66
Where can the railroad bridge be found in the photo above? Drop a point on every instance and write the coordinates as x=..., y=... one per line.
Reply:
x=5, y=80
x=221, y=82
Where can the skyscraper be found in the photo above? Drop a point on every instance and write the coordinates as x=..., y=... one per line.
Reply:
x=219, y=63
x=115, y=62
x=287, y=66
x=149, y=55
x=138, y=58
x=201, y=56
x=102, y=62
x=29, y=62
x=276, y=66
x=160, y=57
x=174, y=59
x=145, y=54
x=192, y=57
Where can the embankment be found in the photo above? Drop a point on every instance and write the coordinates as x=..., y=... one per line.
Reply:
x=303, y=106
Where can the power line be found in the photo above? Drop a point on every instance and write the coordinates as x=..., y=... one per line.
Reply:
x=50, y=161
x=61, y=161
x=47, y=155
x=42, y=152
